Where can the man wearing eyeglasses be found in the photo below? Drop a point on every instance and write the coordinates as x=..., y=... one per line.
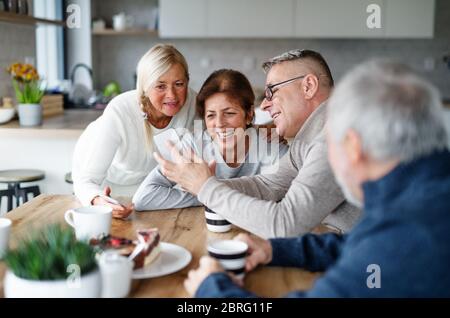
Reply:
x=388, y=147
x=303, y=192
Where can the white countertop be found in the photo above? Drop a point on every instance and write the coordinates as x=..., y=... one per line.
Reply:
x=71, y=123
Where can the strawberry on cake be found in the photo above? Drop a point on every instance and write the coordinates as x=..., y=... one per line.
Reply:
x=147, y=246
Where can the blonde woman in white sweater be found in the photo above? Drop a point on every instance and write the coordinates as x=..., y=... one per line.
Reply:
x=114, y=153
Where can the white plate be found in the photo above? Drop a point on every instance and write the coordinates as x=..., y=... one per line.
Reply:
x=172, y=258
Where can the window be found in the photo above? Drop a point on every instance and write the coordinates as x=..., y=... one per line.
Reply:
x=49, y=42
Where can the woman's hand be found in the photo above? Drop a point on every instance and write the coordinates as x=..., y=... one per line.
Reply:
x=119, y=211
x=260, y=250
x=188, y=170
x=208, y=266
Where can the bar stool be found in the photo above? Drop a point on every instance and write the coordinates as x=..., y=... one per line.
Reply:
x=14, y=179
x=68, y=177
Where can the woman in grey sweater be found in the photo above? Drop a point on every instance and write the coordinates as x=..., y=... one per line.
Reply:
x=226, y=104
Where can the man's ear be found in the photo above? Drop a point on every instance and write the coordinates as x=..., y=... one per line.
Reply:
x=310, y=85
x=353, y=147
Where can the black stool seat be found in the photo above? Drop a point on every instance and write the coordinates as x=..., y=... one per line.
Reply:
x=14, y=178
x=68, y=177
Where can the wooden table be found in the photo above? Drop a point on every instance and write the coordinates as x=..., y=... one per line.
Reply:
x=185, y=227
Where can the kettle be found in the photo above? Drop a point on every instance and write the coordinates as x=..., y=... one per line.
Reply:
x=80, y=93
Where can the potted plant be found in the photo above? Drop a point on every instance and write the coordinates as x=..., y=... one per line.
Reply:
x=52, y=263
x=27, y=85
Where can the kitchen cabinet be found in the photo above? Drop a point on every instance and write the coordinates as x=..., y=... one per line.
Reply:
x=295, y=18
x=410, y=18
x=334, y=19
x=226, y=19
x=250, y=18
x=347, y=19
x=183, y=18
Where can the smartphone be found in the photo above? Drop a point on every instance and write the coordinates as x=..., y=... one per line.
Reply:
x=182, y=139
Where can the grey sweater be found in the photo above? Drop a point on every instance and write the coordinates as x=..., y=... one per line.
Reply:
x=298, y=197
x=158, y=193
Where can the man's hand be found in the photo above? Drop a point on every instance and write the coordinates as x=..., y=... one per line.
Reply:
x=187, y=170
x=119, y=211
x=260, y=250
x=208, y=266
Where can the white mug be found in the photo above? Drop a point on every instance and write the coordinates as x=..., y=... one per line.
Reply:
x=215, y=222
x=231, y=254
x=116, y=273
x=98, y=25
x=90, y=221
x=122, y=21
x=5, y=229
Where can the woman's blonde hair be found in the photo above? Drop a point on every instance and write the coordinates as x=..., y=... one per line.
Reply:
x=155, y=63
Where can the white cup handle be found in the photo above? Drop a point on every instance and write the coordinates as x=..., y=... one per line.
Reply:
x=68, y=216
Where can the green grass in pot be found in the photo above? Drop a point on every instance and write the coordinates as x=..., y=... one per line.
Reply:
x=46, y=255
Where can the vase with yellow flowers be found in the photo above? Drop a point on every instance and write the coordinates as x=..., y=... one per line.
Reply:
x=27, y=86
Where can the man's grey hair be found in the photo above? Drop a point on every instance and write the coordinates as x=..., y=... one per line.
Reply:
x=298, y=54
x=397, y=114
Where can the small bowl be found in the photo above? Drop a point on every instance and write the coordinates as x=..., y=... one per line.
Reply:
x=6, y=114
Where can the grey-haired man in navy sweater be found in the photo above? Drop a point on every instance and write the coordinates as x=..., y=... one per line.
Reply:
x=388, y=148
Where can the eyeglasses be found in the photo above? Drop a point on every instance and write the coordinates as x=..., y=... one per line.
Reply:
x=268, y=92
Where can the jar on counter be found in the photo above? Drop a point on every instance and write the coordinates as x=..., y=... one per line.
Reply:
x=10, y=5
x=7, y=102
x=22, y=7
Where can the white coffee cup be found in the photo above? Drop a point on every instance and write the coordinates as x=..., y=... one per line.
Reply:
x=122, y=21
x=231, y=254
x=215, y=222
x=98, y=25
x=116, y=271
x=5, y=229
x=90, y=221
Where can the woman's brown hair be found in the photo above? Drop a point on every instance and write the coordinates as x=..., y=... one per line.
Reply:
x=233, y=84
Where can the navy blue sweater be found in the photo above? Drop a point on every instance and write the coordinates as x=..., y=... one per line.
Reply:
x=403, y=239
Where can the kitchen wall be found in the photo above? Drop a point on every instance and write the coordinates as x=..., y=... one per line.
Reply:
x=16, y=43
x=115, y=57
x=46, y=151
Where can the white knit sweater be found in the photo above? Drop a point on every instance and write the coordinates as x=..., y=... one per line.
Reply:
x=112, y=151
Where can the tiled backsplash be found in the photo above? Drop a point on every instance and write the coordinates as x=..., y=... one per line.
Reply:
x=16, y=43
x=115, y=58
x=118, y=59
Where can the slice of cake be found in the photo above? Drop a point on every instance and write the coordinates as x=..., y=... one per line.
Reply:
x=150, y=239
x=147, y=245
